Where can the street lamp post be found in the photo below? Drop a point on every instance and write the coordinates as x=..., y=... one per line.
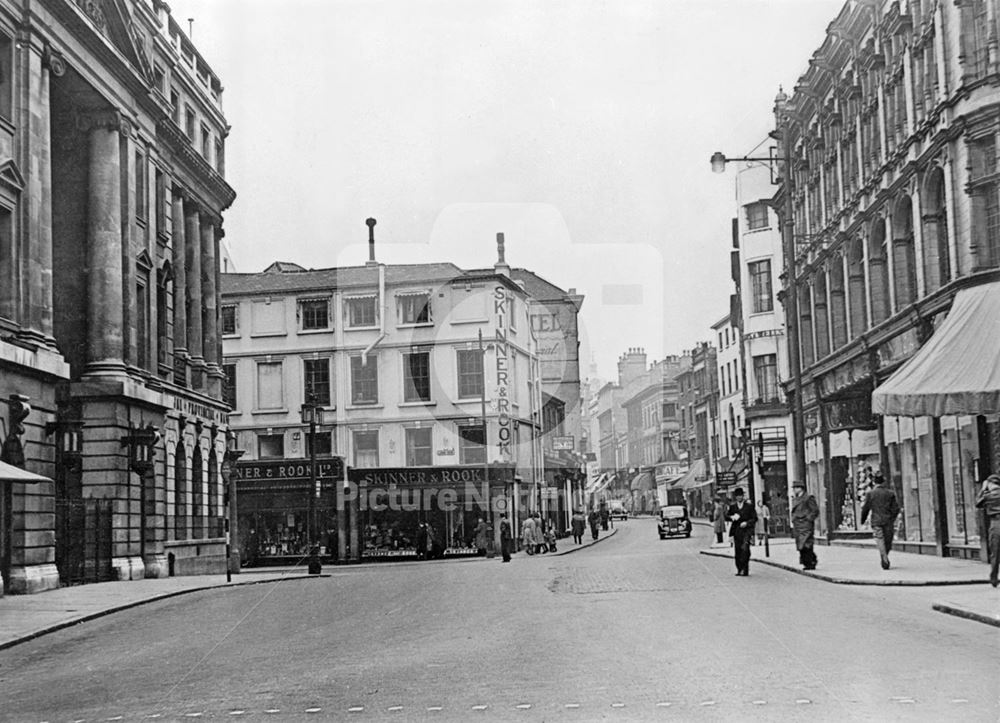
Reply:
x=310, y=411
x=229, y=460
x=783, y=119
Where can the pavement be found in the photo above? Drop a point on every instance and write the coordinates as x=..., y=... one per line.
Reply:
x=965, y=592
x=25, y=617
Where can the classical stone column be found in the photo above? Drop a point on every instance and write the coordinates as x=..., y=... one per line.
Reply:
x=192, y=245
x=180, y=283
x=209, y=305
x=105, y=314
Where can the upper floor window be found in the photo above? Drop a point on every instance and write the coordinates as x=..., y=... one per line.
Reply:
x=361, y=311
x=470, y=373
x=419, y=450
x=189, y=122
x=206, y=143
x=417, y=377
x=760, y=284
x=159, y=78
x=230, y=320
x=314, y=314
x=175, y=106
x=756, y=215
x=140, y=186
x=316, y=373
x=160, y=215
x=220, y=157
x=229, y=385
x=364, y=380
x=765, y=372
x=414, y=308
x=471, y=444
x=365, y=448
x=323, y=444
x=270, y=394
x=6, y=77
x=270, y=445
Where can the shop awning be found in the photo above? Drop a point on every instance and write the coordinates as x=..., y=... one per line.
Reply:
x=599, y=484
x=10, y=473
x=694, y=477
x=958, y=370
x=642, y=481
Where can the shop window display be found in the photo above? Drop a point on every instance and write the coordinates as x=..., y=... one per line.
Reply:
x=960, y=451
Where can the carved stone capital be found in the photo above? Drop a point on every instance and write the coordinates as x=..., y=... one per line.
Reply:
x=53, y=61
x=110, y=119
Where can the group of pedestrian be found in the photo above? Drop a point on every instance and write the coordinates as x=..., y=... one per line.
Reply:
x=538, y=536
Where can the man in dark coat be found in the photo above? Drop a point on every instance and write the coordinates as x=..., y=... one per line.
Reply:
x=742, y=518
x=988, y=500
x=881, y=502
x=805, y=510
x=421, y=542
x=594, y=519
x=506, y=537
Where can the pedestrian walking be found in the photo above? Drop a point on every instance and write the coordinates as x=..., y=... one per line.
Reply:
x=881, y=502
x=804, y=512
x=989, y=500
x=550, y=536
x=764, y=517
x=506, y=537
x=719, y=520
x=742, y=517
x=528, y=534
x=578, y=524
x=539, y=534
x=605, y=516
x=594, y=519
x=481, y=540
x=421, y=541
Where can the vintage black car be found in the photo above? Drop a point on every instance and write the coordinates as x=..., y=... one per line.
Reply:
x=673, y=520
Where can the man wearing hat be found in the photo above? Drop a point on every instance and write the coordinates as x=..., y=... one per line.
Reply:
x=805, y=510
x=884, y=507
x=742, y=518
x=989, y=500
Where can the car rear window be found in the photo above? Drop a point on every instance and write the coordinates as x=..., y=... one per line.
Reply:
x=669, y=512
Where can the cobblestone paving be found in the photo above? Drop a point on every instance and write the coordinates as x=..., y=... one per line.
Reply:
x=631, y=629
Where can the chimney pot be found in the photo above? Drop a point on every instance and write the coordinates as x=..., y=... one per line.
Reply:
x=370, y=223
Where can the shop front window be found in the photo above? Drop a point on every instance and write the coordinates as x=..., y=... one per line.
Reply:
x=911, y=451
x=960, y=454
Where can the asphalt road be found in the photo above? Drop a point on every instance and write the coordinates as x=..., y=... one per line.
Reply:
x=632, y=629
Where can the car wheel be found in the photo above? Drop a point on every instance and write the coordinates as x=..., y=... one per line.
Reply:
x=663, y=537
x=687, y=535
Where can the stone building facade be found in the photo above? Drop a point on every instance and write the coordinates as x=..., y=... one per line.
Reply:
x=893, y=136
x=410, y=400
x=112, y=191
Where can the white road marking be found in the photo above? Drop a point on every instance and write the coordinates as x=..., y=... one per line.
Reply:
x=313, y=710
x=663, y=704
x=117, y=717
x=479, y=707
x=572, y=705
x=394, y=708
x=617, y=705
x=803, y=701
x=708, y=702
x=237, y=712
x=273, y=710
x=959, y=700
x=523, y=706
x=435, y=707
x=355, y=709
x=194, y=715
x=760, y=702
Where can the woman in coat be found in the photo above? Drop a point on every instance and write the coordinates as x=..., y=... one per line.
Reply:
x=481, y=541
x=579, y=524
x=528, y=534
x=719, y=520
x=539, y=534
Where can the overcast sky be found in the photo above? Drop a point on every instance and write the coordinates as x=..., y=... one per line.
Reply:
x=582, y=130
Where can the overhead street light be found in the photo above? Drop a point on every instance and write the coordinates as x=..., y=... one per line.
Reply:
x=783, y=120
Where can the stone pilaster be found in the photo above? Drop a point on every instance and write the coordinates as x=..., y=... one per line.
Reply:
x=192, y=246
x=41, y=63
x=180, y=281
x=209, y=302
x=105, y=312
